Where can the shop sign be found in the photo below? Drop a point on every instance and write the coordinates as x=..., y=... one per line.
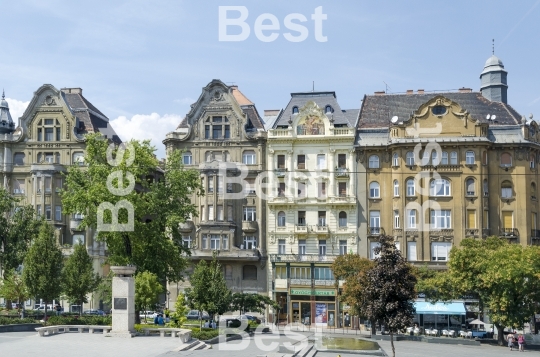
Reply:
x=313, y=292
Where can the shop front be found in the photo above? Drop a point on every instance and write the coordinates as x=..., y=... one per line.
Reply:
x=450, y=316
x=313, y=306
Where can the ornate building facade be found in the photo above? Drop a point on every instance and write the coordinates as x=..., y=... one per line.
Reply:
x=311, y=200
x=223, y=137
x=36, y=153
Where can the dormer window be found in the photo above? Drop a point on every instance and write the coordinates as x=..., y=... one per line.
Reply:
x=438, y=110
x=295, y=110
x=328, y=109
x=48, y=130
x=214, y=128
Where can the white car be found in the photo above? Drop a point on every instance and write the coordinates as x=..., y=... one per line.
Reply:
x=147, y=314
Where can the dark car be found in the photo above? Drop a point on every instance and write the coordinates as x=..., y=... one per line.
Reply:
x=194, y=315
x=250, y=318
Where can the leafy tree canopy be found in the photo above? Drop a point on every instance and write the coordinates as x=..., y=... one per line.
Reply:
x=244, y=302
x=147, y=290
x=12, y=287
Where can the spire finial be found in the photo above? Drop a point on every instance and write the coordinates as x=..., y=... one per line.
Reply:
x=493, y=46
x=3, y=93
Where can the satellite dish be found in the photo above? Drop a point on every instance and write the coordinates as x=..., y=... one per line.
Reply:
x=493, y=117
x=488, y=117
x=394, y=119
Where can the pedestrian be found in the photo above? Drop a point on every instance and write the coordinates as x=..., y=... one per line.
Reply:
x=510, y=339
x=58, y=309
x=521, y=342
x=156, y=319
x=161, y=322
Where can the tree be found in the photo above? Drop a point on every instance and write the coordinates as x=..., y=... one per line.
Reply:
x=178, y=317
x=147, y=290
x=251, y=302
x=43, y=266
x=160, y=198
x=104, y=289
x=209, y=291
x=78, y=277
x=390, y=292
x=12, y=288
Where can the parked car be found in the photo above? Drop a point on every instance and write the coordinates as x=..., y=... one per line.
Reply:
x=249, y=318
x=194, y=315
x=42, y=308
x=147, y=314
x=94, y=312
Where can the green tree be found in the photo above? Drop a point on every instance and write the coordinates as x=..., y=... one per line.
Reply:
x=104, y=289
x=390, y=293
x=160, y=199
x=147, y=290
x=244, y=302
x=178, y=316
x=78, y=277
x=12, y=288
x=43, y=266
x=209, y=291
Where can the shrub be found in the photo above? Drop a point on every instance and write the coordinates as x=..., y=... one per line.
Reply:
x=75, y=320
x=205, y=334
x=15, y=321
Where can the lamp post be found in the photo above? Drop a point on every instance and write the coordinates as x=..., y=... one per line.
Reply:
x=168, y=300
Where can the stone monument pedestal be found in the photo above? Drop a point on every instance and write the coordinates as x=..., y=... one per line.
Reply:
x=123, y=300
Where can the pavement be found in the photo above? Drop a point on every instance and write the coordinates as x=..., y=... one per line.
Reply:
x=15, y=344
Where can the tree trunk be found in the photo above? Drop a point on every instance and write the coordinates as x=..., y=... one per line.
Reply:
x=500, y=335
x=45, y=317
x=392, y=344
x=8, y=304
x=373, y=327
x=80, y=309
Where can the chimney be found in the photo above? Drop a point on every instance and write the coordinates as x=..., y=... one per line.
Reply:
x=381, y=92
x=420, y=91
x=72, y=90
x=465, y=90
x=410, y=91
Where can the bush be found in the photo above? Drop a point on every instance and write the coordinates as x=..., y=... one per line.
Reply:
x=15, y=321
x=75, y=320
x=205, y=334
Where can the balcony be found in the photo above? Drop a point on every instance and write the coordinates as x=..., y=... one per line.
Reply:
x=485, y=232
x=280, y=172
x=301, y=228
x=320, y=228
x=186, y=227
x=470, y=232
x=375, y=231
x=535, y=233
x=305, y=282
x=324, y=282
x=290, y=258
x=75, y=225
x=508, y=233
x=342, y=172
x=249, y=226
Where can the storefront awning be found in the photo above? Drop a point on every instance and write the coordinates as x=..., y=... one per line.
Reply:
x=439, y=308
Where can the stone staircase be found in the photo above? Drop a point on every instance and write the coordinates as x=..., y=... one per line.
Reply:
x=193, y=345
x=308, y=351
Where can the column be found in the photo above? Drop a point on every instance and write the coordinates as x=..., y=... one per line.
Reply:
x=271, y=191
x=352, y=176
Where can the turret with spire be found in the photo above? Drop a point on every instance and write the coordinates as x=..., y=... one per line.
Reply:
x=7, y=126
x=493, y=79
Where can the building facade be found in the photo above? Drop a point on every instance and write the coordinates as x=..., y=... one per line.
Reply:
x=311, y=198
x=36, y=153
x=223, y=137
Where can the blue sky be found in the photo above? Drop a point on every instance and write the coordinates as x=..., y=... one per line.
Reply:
x=143, y=62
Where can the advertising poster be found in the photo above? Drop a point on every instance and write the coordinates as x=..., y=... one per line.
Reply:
x=320, y=314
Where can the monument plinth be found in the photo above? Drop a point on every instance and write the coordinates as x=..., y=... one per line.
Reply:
x=123, y=300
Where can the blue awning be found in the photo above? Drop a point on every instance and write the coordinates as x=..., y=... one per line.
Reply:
x=440, y=308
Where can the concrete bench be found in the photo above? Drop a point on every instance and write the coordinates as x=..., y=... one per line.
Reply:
x=184, y=334
x=51, y=330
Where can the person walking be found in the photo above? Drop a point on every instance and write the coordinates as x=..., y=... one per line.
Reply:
x=521, y=342
x=510, y=339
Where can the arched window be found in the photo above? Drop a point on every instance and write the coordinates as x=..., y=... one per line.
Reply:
x=249, y=158
x=396, y=188
x=187, y=159
x=373, y=162
x=532, y=161
x=444, y=160
x=410, y=158
x=295, y=110
x=18, y=158
x=395, y=159
x=453, y=158
x=78, y=158
x=440, y=187
x=374, y=190
x=506, y=159
x=470, y=158
x=328, y=109
x=533, y=191
x=411, y=190
x=250, y=272
x=434, y=158
x=469, y=186
x=342, y=219
x=506, y=189
x=281, y=219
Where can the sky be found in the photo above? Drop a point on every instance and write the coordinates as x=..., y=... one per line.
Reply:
x=142, y=63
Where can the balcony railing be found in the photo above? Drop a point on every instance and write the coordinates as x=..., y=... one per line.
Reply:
x=375, y=231
x=470, y=232
x=280, y=172
x=535, y=233
x=249, y=226
x=301, y=228
x=75, y=225
x=320, y=228
x=286, y=258
x=485, y=232
x=317, y=129
x=342, y=172
x=509, y=232
x=301, y=282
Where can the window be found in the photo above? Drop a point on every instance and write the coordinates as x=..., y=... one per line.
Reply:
x=78, y=158
x=48, y=184
x=374, y=190
x=217, y=131
x=281, y=219
x=506, y=189
x=250, y=214
x=411, y=191
x=300, y=273
x=18, y=159
x=434, y=158
x=58, y=213
x=207, y=131
x=484, y=157
x=342, y=161
x=328, y=109
x=57, y=157
x=438, y=110
x=210, y=212
x=342, y=247
x=187, y=242
x=471, y=219
x=322, y=218
x=48, y=212
x=219, y=213
x=301, y=162
x=281, y=161
x=372, y=247
x=321, y=189
x=485, y=188
x=453, y=158
x=506, y=160
x=250, y=272
x=411, y=251
x=410, y=158
x=373, y=162
x=469, y=158
x=225, y=242
x=215, y=241
x=39, y=187
x=280, y=272
x=250, y=242
x=187, y=158
x=301, y=218
x=396, y=188
x=228, y=272
x=78, y=239
x=375, y=220
x=301, y=189
x=49, y=157
x=248, y=158
x=485, y=223
x=210, y=184
x=250, y=186
x=78, y=216
x=397, y=245
x=321, y=161
x=411, y=218
x=469, y=187
x=395, y=159
x=532, y=161
x=342, y=188
x=281, y=246
x=507, y=220
x=440, y=251
x=227, y=132
x=440, y=187
x=396, y=219
x=301, y=247
x=444, y=159
x=281, y=189
x=19, y=186
x=38, y=210
x=323, y=274
x=441, y=219
x=219, y=180
x=230, y=213
x=204, y=241
x=533, y=191
x=322, y=247
x=342, y=219
x=295, y=110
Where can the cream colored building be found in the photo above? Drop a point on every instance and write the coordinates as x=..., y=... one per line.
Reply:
x=311, y=200
x=35, y=152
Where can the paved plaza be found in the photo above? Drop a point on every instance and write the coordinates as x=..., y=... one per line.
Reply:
x=17, y=344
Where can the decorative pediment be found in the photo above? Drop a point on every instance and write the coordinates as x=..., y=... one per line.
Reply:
x=311, y=120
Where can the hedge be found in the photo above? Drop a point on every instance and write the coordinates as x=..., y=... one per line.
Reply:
x=74, y=320
x=15, y=321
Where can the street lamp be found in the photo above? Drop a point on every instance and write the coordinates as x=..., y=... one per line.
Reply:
x=168, y=293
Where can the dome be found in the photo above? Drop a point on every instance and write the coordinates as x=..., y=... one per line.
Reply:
x=493, y=61
x=6, y=123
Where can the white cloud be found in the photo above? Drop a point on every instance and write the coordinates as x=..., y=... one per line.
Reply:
x=185, y=101
x=147, y=126
x=16, y=108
